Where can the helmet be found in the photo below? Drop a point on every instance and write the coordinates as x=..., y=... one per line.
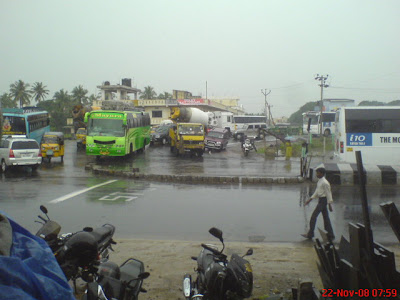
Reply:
x=240, y=276
x=81, y=247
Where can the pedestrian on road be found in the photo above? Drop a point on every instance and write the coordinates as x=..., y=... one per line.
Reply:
x=323, y=192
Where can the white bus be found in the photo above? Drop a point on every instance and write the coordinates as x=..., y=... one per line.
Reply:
x=373, y=130
x=328, y=122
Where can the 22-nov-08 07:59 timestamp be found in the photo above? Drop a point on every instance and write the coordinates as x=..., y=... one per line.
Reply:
x=361, y=293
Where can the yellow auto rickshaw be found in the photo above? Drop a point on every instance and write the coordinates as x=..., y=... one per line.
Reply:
x=53, y=145
x=81, y=138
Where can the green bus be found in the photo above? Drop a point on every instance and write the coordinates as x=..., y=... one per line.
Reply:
x=116, y=133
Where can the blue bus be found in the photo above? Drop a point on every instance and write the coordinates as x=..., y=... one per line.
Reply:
x=29, y=121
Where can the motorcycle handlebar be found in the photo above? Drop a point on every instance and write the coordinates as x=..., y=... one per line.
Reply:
x=216, y=252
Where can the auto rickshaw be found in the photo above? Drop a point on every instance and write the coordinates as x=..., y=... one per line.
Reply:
x=81, y=138
x=53, y=145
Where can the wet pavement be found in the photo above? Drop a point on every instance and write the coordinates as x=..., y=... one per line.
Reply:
x=143, y=209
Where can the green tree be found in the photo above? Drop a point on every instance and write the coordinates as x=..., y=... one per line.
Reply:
x=20, y=92
x=59, y=109
x=92, y=98
x=297, y=117
x=371, y=103
x=39, y=92
x=165, y=95
x=79, y=95
x=7, y=101
x=148, y=93
x=394, y=103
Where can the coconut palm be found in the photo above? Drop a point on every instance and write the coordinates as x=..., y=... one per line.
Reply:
x=165, y=95
x=79, y=95
x=39, y=91
x=20, y=92
x=148, y=93
x=7, y=102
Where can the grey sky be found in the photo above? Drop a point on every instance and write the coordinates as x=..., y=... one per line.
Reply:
x=238, y=47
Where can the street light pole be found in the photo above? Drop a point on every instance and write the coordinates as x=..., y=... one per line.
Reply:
x=323, y=85
x=266, y=104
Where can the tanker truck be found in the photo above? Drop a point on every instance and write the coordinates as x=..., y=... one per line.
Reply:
x=188, y=133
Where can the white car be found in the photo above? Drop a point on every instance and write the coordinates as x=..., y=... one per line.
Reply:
x=19, y=151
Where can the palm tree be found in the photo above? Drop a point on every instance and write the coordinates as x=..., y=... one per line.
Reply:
x=148, y=93
x=79, y=95
x=165, y=95
x=20, y=92
x=39, y=92
x=7, y=102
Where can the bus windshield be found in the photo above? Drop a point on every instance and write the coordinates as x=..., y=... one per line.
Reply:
x=14, y=125
x=106, y=127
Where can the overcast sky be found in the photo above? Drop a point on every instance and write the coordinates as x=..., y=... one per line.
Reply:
x=237, y=47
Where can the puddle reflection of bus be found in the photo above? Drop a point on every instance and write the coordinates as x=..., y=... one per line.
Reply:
x=328, y=122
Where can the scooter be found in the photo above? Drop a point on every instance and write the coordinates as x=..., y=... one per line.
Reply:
x=78, y=253
x=247, y=147
x=217, y=277
x=122, y=282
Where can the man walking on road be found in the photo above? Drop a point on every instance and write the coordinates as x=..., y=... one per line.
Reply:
x=323, y=192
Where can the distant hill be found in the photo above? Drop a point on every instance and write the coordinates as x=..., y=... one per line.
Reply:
x=297, y=117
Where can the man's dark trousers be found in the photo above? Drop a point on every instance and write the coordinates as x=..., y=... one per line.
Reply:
x=321, y=208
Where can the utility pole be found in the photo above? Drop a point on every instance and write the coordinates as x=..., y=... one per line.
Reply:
x=322, y=79
x=267, y=109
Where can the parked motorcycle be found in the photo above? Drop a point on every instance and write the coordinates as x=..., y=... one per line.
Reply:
x=217, y=277
x=118, y=282
x=78, y=254
x=247, y=146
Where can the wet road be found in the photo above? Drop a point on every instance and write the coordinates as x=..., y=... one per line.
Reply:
x=140, y=209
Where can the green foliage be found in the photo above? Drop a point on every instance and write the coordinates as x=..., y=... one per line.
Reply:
x=39, y=91
x=148, y=93
x=165, y=95
x=79, y=95
x=297, y=117
x=20, y=92
x=7, y=101
x=378, y=103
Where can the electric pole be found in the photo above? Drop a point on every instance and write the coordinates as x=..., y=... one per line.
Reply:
x=267, y=109
x=322, y=79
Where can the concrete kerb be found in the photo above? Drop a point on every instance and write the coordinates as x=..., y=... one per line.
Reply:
x=196, y=179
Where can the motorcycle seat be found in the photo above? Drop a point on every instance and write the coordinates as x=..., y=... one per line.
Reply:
x=102, y=233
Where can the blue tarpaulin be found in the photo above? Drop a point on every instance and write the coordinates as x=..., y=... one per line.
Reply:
x=31, y=270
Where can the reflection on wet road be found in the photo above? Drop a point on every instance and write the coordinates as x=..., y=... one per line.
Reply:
x=177, y=211
x=141, y=209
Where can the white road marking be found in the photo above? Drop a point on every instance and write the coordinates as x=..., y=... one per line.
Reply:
x=66, y=197
x=119, y=196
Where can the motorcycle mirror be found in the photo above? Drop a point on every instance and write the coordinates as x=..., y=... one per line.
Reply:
x=88, y=229
x=143, y=275
x=43, y=209
x=217, y=233
x=249, y=252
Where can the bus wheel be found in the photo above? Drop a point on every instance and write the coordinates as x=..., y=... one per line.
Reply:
x=327, y=132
